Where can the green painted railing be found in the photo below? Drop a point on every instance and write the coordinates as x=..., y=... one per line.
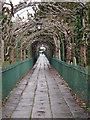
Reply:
x=13, y=73
x=78, y=79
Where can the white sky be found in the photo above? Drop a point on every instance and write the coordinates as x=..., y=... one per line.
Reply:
x=22, y=13
x=15, y=2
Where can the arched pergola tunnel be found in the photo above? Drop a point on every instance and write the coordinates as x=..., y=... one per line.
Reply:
x=55, y=39
x=44, y=40
x=50, y=38
x=62, y=28
x=25, y=28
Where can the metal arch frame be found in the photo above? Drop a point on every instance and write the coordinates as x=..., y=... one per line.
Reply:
x=45, y=43
x=23, y=5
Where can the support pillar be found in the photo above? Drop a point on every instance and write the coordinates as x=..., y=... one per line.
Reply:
x=85, y=59
x=63, y=52
x=17, y=52
x=25, y=54
x=74, y=61
x=68, y=47
x=59, y=51
x=21, y=52
x=59, y=56
x=29, y=53
x=2, y=52
x=11, y=55
x=81, y=54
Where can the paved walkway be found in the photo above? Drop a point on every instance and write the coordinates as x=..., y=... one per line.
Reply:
x=42, y=95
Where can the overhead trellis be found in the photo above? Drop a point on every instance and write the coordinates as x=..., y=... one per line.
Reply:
x=57, y=19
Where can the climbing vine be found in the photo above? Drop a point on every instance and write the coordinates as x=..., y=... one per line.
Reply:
x=78, y=30
x=80, y=34
x=56, y=19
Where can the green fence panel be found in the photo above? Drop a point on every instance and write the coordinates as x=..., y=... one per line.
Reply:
x=76, y=78
x=12, y=74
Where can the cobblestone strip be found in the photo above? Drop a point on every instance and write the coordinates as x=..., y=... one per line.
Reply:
x=75, y=109
x=58, y=104
x=41, y=107
x=49, y=99
x=25, y=105
x=43, y=96
x=69, y=103
x=14, y=99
